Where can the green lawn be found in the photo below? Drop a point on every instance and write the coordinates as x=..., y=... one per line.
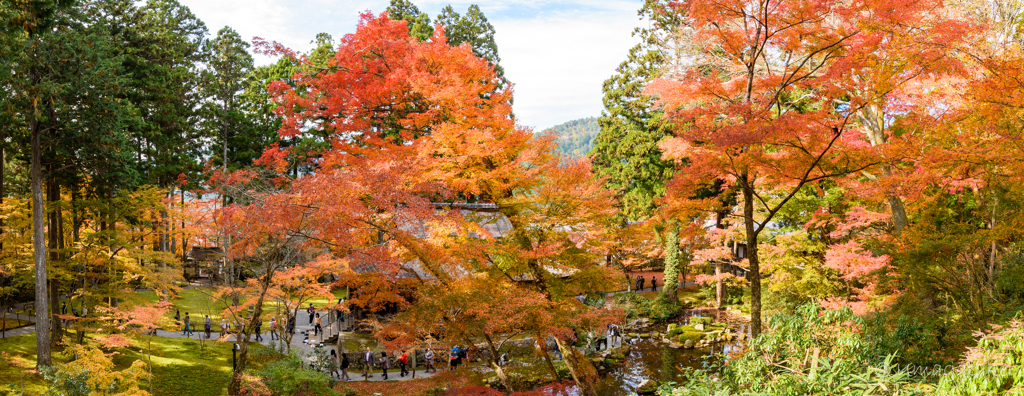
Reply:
x=11, y=323
x=179, y=366
x=21, y=349
x=199, y=302
x=692, y=294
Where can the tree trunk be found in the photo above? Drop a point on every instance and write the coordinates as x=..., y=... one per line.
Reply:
x=53, y=235
x=583, y=373
x=754, y=276
x=234, y=387
x=55, y=325
x=673, y=264
x=719, y=284
x=873, y=117
x=542, y=345
x=899, y=213
x=497, y=367
x=3, y=191
x=992, y=254
x=39, y=243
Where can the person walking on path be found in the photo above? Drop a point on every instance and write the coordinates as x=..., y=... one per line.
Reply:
x=208, y=326
x=273, y=328
x=402, y=362
x=291, y=324
x=429, y=360
x=334, y=363
x=341, y=309
x=344, y=367
x=636, y=284
x=368, y=367
x=310, y=311
x=613, y=334
x=316, y=325
x=654, y=283
x=642, y=281
x=259, y=331
x=223, y=327
x=385, y=364
x=177, y=318
x=187, y=328
x=64, y=308
x=455, y=358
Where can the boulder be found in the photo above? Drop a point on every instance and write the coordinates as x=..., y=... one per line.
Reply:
x=688, y=344
x=671, y=326
x=699, y=326
x=648, y=387
x=644, y=335
x=675, y=345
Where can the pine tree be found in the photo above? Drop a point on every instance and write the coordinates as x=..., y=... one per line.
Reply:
x=224, y=80
x=473, y=28
x=626, y=151
x=417, y=21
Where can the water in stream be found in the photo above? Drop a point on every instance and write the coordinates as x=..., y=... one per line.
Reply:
x=652, y=359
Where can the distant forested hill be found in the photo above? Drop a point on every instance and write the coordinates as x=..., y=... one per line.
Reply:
x=576, y=137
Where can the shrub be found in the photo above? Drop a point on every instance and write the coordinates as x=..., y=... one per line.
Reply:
x=706, y=321
x=635, y=305
x=813, y=352
x=694, y=336
x=994, y=367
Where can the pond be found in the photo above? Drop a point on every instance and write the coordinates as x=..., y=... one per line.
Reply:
x=655, y=360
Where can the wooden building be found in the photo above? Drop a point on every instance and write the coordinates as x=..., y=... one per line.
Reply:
x=202, y=264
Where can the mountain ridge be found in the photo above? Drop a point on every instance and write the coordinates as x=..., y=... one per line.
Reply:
x=576, y=137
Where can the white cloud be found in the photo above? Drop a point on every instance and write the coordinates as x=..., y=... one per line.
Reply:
x=556, y=52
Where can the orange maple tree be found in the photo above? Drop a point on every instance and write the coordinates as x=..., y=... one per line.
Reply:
x=769, y=96
x=429, y=182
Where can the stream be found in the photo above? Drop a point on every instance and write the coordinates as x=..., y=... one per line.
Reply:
x=652, y=359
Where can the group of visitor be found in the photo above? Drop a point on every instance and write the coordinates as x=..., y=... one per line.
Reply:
x=384, y=362
x=639, y=283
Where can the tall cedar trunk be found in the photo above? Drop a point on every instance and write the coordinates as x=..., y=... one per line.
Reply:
x=39, y=242
x=76, y=225
x=754, y=276
x=184, y=240
x=53, y=235
x=55, y=325
x=3, y=191
x=673, y=265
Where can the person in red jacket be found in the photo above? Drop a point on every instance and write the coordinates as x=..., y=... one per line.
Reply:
x=403, y=361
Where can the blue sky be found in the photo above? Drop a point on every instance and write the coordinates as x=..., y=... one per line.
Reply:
x=557, y=53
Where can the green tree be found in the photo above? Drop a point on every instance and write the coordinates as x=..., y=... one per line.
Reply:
x=417, y=21
x=473, y=28
x=30, y=21
x=626, y=150
x=162, y=45
x=225, y=79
